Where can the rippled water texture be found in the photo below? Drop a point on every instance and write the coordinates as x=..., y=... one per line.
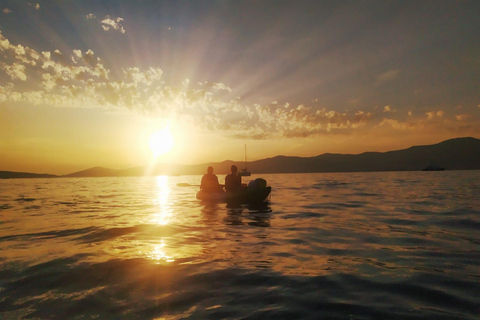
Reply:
x=329, y=246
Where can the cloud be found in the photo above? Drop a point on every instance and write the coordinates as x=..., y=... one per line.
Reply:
x=108, y=23
x=77, y=53
x=387, y=76
x=52, y=78
x=35, y=5
x=461, y=117
x=221, y=86
x=147, y=77
x=395, y=124
x=6, y=11
x=87, y=83
x=388, y=109
x=48, y=82
x=115, y=23
x=4, y=43
x=15, y=71
x=434, y=114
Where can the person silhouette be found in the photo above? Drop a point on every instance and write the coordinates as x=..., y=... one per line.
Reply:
x=233, y=181
x=210, y=182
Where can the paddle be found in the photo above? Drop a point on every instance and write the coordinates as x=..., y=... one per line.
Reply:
x=182, y=184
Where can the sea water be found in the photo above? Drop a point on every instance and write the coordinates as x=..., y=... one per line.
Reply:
x=386, y=245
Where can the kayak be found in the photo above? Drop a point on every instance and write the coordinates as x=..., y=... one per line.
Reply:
x=248, y=196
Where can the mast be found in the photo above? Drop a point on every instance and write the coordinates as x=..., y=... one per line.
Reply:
x=245, y=157
x=245, y=172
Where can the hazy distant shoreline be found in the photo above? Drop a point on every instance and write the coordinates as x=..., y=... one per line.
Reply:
x=453, y=154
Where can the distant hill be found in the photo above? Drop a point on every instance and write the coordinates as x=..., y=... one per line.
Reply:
x=454, y=154
x=94, y=172
x=26, y=175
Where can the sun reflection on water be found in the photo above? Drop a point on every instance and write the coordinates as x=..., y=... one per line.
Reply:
x=162, y=200
x=162, y=216
x=159, y=254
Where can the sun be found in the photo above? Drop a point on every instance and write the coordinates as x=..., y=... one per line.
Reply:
x=161, y=141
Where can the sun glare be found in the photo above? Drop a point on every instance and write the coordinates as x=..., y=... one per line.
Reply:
x=161, y=141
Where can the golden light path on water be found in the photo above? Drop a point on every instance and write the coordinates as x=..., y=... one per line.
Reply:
x=162, y=217
x=162, y=201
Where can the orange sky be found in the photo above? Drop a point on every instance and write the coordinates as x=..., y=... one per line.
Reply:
x=90, y=86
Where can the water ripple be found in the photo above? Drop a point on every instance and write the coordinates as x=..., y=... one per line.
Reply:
x=328, y=246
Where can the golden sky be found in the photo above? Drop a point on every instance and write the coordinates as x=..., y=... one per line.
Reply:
x=87, y=83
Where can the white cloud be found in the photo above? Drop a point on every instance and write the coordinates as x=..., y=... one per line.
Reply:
x=15, y=96
x=221, y=86
x=6, y=11
x=19, y=50
x=78, y=53
x=15, y=71
x=4, y=43
x=143, y=77
x=48, y=81
x=89, y=57
x=115, y=23
x=17, y=54
x=108, y=23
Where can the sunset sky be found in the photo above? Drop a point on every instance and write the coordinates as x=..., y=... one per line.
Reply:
x=87, y=83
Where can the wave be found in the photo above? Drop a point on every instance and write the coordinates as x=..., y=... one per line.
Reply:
x=136, y=289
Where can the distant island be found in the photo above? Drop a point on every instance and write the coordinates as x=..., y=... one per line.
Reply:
x=453, y=154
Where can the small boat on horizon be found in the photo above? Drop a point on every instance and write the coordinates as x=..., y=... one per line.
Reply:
x=433, y=167
x=245, y=172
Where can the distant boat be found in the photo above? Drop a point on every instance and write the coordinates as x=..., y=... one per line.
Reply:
x=245, y=172
x=433, y=167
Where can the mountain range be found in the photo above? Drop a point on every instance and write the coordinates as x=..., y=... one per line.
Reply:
x=453, y=154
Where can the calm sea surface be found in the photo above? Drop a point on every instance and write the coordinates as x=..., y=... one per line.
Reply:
x=402, y=245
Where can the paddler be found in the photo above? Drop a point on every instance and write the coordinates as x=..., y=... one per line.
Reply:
x=233, y=182
x=210, y=182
